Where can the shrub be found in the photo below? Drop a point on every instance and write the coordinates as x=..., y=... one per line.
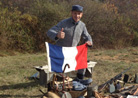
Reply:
x=16, y=30
x=24, y=23
x=128, y=9
x=49, y=14
x=105, y=24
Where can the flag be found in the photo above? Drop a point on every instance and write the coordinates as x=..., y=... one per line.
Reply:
x=58, y=57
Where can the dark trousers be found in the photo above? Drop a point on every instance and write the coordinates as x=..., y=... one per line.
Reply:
x=81, y=73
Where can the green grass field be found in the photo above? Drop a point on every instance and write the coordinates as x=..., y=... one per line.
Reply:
x=16, y=68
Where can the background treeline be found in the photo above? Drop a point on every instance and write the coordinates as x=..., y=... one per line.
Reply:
x=24, y=23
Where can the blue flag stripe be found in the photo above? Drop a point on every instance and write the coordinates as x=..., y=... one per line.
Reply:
x=56, y=58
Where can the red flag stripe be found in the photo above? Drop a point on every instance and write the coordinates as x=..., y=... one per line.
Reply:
x=81, y=57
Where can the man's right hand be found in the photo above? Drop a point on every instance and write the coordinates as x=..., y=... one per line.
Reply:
x=61, y=34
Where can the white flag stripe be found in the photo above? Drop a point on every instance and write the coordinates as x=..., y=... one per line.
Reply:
x=48, y=58
x=69, y=58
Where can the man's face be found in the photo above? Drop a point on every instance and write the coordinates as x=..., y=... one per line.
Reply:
x=76, y=15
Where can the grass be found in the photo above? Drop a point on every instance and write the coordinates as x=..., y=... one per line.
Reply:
x=15, y=68
x=14, y=73
x=112, y=62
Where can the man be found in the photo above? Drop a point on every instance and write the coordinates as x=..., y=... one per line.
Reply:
x=69, y=31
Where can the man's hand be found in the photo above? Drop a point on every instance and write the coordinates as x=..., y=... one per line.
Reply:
x=89, y=43
x=61, y=34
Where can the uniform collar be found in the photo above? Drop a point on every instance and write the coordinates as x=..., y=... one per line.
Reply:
x=72, y=20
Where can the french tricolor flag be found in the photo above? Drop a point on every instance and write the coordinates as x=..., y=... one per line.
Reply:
x=58, y=57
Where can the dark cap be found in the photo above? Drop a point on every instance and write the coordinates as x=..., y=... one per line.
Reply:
x=77, y=8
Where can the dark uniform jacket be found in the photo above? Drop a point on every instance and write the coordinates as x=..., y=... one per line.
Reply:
x=73, y=33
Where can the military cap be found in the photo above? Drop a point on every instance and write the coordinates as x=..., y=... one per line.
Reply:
x=77, y=8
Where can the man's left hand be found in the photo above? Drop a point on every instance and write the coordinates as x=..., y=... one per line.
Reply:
x=89, y=43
